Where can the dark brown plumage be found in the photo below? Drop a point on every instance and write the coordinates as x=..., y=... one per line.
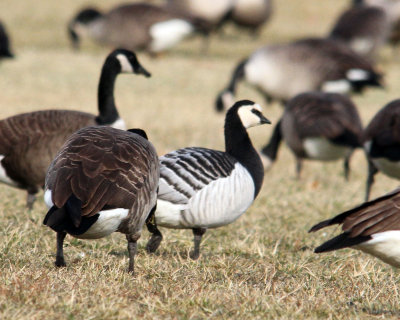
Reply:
x=97, y=170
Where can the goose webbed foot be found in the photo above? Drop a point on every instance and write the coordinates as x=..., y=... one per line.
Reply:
x=198, y=234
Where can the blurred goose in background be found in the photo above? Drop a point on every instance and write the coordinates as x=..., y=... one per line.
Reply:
x=317, y=126
x=102, y=180
x=5, y=51
x=373, y=227
x=282, y=71
x=29, y=141
x=204, y=188
x=365, y=29
x=382, y=143
x=136, y=26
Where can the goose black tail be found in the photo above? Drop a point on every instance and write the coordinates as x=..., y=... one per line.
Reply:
x=341, y=241
x=373, y=79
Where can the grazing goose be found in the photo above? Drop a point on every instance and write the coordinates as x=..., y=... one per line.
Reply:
x=283, y=71
x=101, y=181
x=365, y=29
x=382, y=143
x=317, y=126
x=373, y=227
x=5, y=51
x=29, y=141
x=136, y=26
x=204, y=188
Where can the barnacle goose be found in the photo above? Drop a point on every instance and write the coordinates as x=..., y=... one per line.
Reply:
x=101, y=181
x=204, y=188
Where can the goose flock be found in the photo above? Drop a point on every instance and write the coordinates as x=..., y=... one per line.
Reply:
x=99, y=178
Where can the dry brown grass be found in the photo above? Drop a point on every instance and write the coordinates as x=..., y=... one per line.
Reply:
x=262, y=266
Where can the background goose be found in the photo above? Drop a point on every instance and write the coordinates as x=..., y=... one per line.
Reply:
x=317, y=126
x=203, y=188
x=382, y=143
x=285, y=70
x=132, y=26
x=102, y=180
x=5, y=51
x=373, y=227
x=29, y=141
x=365, y=29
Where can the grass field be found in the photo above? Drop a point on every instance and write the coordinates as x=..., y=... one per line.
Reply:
x=260, y=267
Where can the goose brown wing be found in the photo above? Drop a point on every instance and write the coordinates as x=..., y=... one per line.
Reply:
x=104, y=168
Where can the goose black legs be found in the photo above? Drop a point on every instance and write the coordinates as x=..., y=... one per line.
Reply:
x=299, y=166
x=132, y=250
x=198, y=234
x=346, y=166
x=372, y=170
x=156, y=236
x=60, y=262
x=31, y=197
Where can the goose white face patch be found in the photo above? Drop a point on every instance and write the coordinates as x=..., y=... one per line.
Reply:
x=126, y=66
x=248, y=117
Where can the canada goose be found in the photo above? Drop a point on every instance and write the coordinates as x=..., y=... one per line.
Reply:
x=365, y=29
x=373, y=227
x=382, y=143
x=317, y=126
x=5, y=51
x=29, y=141
x=102, y=180
x=132, y=26
x=251, y=14
x=285, y=70
x=204, y=188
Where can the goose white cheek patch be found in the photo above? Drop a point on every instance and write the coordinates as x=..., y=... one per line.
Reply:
x=248, y=118
x=126, y=66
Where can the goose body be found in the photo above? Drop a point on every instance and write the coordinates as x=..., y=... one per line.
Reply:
x=282, y=71
x=5, y=50
x=382, y=143
x=373, y=227
x=251, y=14
x=317, y=126
x=203, y=188
x=29, y=141
x=137, y=26
x=102, y=180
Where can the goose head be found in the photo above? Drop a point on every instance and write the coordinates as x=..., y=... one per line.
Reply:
x=127, y=62
x=77, y=26
x=249, y=113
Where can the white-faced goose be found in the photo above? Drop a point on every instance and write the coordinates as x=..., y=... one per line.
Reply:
x=5, y=51
x=29, y=141
x=317, y=126
x=382, y=143
x=282, y=71
x=204, y=188
x=365, y=29
x=373, y=227
x=101, y=181
x=136, y=26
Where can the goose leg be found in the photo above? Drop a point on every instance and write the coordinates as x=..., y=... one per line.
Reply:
x=198, y=234
x=372, y=170
x=156, y=236
x=299, y=166
x=132, y=250
x=31, y=197
x=60, y=262
x=346, y=166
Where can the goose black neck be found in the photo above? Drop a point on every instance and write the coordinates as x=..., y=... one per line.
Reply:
x=107, y=110
x=239, y=146
x=271, y=149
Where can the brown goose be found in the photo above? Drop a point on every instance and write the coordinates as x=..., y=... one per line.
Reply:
x=136, y=26
x=5, y=51
x=282, y=71
x=373, y=227
x=29, y=141
x=101, y=181
x=365, y=29
x=317, y=126
x=382, y=143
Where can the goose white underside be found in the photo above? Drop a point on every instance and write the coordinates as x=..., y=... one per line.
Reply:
x=319, y=148
x=3, y=175
x=390, y=168
x=107, y=222
x=385, y=246
x=219, y=203
x=337, y=86
x=169, y=33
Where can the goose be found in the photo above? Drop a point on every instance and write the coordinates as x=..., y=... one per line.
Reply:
x=29, y=141
x=365, y=29
x=285, y=70
x=317, y=126
x=381, y=141
x=203, y=188
x=136, y=26
x=372, y=227
x=5, y=50
x=101, y=181
x=251, y=14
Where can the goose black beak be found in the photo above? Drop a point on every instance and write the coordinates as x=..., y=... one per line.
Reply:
x=264, y=120
x=140, y=70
